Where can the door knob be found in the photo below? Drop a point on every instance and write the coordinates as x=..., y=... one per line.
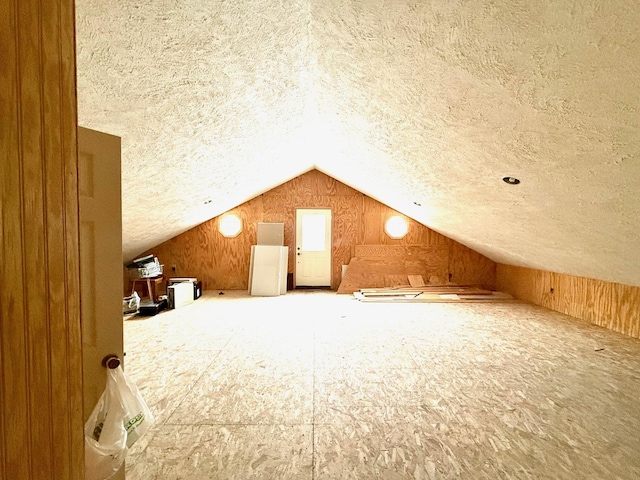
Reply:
x=111, y=361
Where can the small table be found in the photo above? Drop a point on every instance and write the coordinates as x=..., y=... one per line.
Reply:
x=151, y=284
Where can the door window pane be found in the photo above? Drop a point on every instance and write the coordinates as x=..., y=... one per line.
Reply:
x=313, y=233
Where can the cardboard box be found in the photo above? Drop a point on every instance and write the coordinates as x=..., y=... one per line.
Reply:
x=180, y=294
x=197, y=284
x=172, y=280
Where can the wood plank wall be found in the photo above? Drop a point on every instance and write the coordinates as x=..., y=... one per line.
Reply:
x=223, y=263
x=610, y=305
x=41, y=412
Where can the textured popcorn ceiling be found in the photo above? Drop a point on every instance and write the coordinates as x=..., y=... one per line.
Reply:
x=430, y=102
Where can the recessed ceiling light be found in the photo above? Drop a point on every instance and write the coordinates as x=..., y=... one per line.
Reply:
x=511, y=180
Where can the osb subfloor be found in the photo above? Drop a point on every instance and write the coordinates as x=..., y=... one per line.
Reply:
x=314, y=385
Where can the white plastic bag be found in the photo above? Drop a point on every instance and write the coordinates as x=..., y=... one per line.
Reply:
x=131, y=304
x=105, y=438
x=137, y=416
x=120, y=417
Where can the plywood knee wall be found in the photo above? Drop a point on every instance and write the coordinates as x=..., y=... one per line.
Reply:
x=610, y=305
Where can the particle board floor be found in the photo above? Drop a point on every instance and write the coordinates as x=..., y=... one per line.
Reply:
x=314, y=385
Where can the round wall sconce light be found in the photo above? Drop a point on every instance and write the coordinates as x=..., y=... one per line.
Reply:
x=230, y=225
x=396, y=227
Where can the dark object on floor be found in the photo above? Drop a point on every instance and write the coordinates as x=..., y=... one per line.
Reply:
x=220, y=293
x=149, y=309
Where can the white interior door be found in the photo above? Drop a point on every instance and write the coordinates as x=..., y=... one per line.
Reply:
x=313, y=247
x=101, y=273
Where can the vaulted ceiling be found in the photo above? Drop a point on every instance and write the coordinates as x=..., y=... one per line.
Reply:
x=432, y=102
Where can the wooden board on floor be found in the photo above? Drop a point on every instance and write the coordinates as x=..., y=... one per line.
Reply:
x=416, y=280
x=459, y=289
x=494, y=297
x=394, y=264
x=402, y=252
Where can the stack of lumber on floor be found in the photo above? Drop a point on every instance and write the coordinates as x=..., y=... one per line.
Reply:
x=377, y=266
x=431, y=294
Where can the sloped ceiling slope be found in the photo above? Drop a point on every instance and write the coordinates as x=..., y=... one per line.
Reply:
x=429, y=102
x=208, y=97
